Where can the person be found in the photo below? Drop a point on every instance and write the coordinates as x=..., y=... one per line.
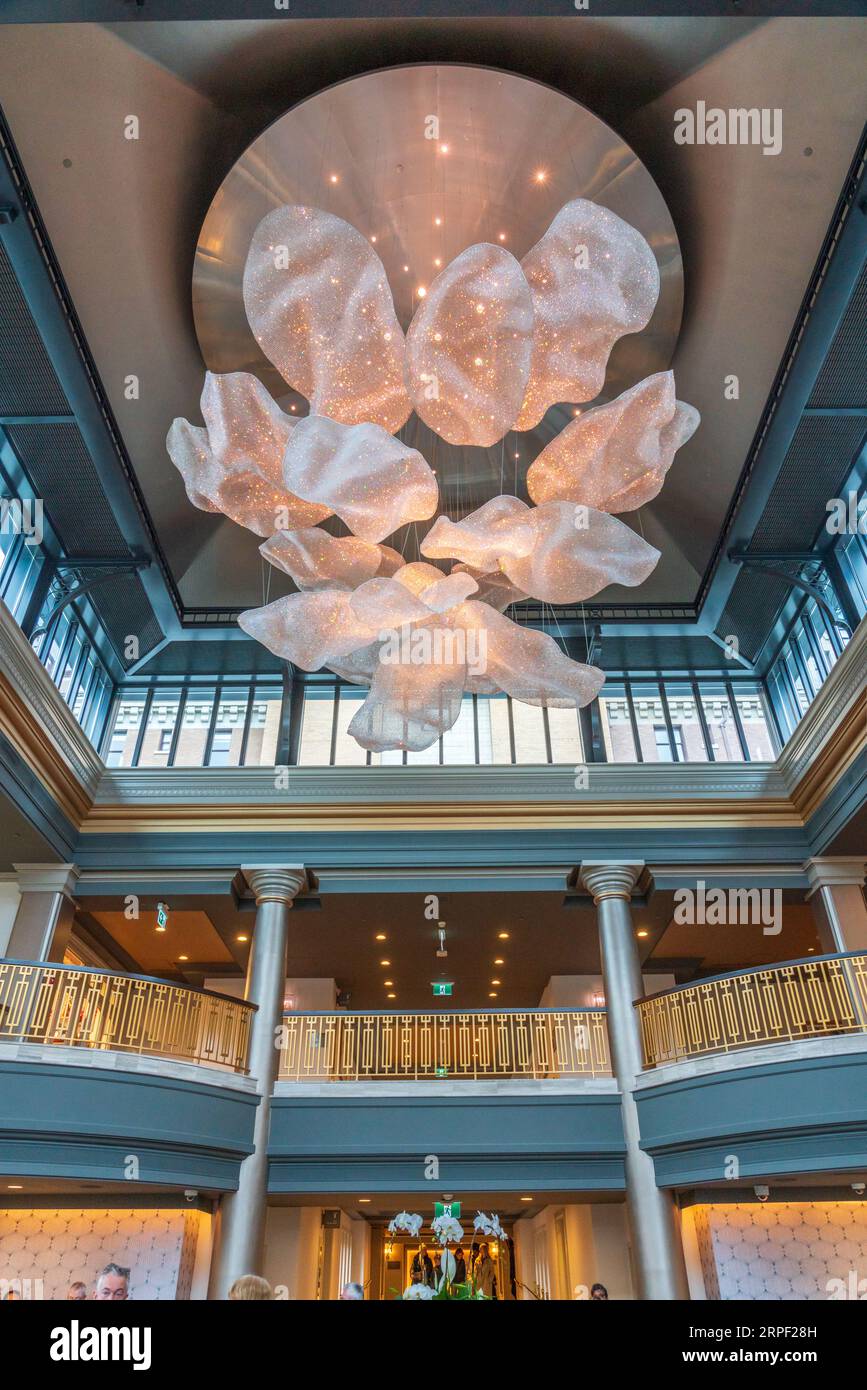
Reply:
x=112, y=1283
x=460, y=1266
x=351, y=1291
x=76, y=1292
x=483, y=1272
x=599, y=1293
x=422, y=1265
x=251, y=1286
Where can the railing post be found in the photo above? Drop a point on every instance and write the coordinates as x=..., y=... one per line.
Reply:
x=241, y=1223
x=658, y=1250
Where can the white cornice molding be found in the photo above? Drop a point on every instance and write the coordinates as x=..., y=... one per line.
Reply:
x=37, y=691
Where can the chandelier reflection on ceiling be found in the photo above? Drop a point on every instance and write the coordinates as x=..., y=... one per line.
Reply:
x=493, y=343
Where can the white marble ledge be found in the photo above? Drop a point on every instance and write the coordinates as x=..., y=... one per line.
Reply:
x=169, y=1068
x=350, y=1090
x=808, y=1050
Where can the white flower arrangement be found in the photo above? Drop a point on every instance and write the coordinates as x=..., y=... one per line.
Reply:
x=419, y=1291
x=410, y=1222
x=489, y=1225
x=447, y=1229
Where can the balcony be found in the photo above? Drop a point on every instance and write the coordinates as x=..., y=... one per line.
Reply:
x=506, y=1044
x=81, y=1007
x=820, y=997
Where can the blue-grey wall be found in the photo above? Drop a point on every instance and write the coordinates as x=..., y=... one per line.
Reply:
x=804, y=1116
x=81, y=1122
x=488, y=1142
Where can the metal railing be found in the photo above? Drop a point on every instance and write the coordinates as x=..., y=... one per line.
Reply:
x=813, y=998
x=468, y=1045
x=78, y=1006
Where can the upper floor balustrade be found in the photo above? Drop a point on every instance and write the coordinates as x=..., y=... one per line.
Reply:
x=792, y=1001
x=90, y=1008
x=464, y=1045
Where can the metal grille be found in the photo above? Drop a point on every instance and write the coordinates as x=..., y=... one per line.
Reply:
x=843, y=378
x=418, y=1046
x=28, y=384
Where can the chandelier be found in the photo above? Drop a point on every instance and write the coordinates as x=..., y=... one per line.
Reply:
x=493, y=343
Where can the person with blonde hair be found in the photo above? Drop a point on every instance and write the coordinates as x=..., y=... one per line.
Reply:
x=251, y=1286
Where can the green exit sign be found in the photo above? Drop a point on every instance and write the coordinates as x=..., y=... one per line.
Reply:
x=162, y=916
x=447, y=1209
x=441, y=1071
x=442, y=988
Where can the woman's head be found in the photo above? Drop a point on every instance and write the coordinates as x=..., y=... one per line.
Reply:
x=251, y=1286
x=598, y=1292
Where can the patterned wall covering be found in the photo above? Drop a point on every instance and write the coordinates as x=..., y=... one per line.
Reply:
x=783, y=1250
x=61, y=1246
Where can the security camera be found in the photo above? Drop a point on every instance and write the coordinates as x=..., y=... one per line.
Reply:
x=191, y=1193
x=859, y=1188
x=762, y=1192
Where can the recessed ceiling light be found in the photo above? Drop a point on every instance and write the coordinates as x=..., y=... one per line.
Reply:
x=421, y=291
x=496, y=982
x=15, y=1186
x=502, y=236
x=526, y=1199
x=499, y=961
x=380, y=936
x=242, y=937
x=364, y=1199
x=643, y=932
x=541, y=175
x=444, y=149
x=438, y=221
x=183, y=957
x=437, y=261
x=503, y=935
x=385, y=962
x=388, y=983
x=391, y=996
x=373, y=238
x=334, y=178
x=160, y=928
x=493, y=995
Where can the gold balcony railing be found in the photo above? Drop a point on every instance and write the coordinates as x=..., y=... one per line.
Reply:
x=77, y=1006
x=429, y=1046
x=799, y=999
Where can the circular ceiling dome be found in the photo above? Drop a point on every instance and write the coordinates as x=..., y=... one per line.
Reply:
x=426, y=161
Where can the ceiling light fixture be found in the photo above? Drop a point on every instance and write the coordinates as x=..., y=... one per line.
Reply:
x=503, y=935
x=242, y=937
x=502, y=340
x=499, y=961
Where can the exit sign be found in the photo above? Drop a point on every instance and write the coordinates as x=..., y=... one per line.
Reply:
x=447, y=1209
x=442, y=988
x=162, y=916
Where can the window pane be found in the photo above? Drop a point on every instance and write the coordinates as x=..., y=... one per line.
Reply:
x=124, y=730
x=264, y=730
x=459, y=744
x=160, y=726
x=22, y=579
x=565, y=731
x=652, y=729
x=721, y=724
x=194, y=727
x=757, y=730
x=616, y=725
x=318, y=716
x=495, y=745
x=70, y=662
x=347, y=752
x=529, y=725
x=229, y=728
x=685, y=722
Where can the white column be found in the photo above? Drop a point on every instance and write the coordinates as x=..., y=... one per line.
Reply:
x=241, y=1224
x=653, y=1222
x=43, y=922
x=836, y=895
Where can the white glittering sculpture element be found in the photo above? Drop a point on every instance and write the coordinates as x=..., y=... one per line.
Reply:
x=559, y=553
x=468, y=347
x=316, y=560
x=593, y=278
x=615, y=457
x=319, y=303
x=362, y=473
x=235, y=464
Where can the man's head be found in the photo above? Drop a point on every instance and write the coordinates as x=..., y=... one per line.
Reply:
x=76, y=1292
x=483, y=1250
x=112, y=1283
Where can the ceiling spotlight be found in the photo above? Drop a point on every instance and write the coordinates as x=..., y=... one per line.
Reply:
x=364, y=1199
x=385, y=962
x=380, y=936
x=492, y=996
x=388, y=983
x=444, y=149
x=503, y=935
x=421, y=291
x=642, y=933
x=541, y=175
x=502, y=236
x=438, y=222
x=437, y=261
x=406, y=268
x=496, y=982
x=183, y=957
x=391, y=996
x=334, y=178
x=526, y=1199
x=242, y=937
x=15, y=1186
x=373, y=238
x=499, y=961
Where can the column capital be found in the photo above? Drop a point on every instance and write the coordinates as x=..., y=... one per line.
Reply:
x=834, y=872
x=614, y=879
x=46, y=878
x=275, y=883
